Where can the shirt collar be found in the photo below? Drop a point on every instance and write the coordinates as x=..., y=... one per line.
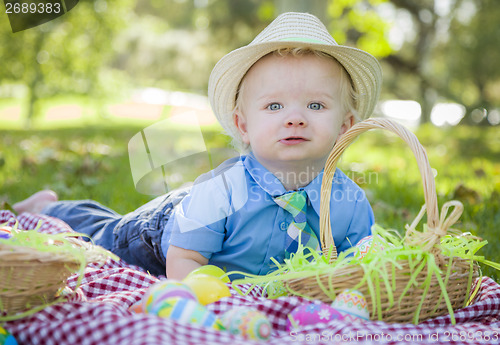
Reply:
x=273, y=186
x=263, y=177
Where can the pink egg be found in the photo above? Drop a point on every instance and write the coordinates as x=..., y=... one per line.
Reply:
x=311, y=314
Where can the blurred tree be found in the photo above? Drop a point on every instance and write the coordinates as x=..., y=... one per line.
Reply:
x=411, y=63
x=65, y=56
x=448, y=51
x=316, y=7
x=174, y=44
x=358, y=23
x=451, y=55
x=471, y=54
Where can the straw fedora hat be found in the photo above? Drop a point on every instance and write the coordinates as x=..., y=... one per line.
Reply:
x=291, y=30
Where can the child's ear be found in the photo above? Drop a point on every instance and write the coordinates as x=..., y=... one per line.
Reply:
x=241, y=124
x=348, y=123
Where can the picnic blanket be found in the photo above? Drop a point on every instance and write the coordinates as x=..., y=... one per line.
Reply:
x=98, y=313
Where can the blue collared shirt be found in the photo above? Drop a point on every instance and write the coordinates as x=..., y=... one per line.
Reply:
x=230, y=216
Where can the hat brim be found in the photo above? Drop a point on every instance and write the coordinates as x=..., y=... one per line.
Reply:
x=364, y=69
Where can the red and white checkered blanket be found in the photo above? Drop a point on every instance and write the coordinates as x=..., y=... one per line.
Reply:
x=98, y=314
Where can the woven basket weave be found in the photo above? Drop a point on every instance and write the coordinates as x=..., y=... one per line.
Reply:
x=346, y=277
x=30, y=278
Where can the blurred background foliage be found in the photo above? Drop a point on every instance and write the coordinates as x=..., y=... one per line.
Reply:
x=432, y=50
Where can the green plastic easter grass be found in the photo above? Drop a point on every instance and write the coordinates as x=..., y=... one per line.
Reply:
x=447, y=276
x=57, y=244
x=380, y=268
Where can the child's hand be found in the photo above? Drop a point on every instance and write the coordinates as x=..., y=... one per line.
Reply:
x=180, y=262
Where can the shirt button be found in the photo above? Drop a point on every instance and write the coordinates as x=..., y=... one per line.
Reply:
x=284, y=226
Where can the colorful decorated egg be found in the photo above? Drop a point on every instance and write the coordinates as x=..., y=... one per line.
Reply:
x=5, y=232
x=248, y=323
x=211, y=270
x=311, y=314
x=6, y=338
x=137, y=307
x=190, y=311
x=207, y=289
x=352, y=305
x=365, y=245
x=165, y=289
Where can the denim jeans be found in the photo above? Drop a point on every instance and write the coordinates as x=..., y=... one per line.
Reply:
x=134, y=237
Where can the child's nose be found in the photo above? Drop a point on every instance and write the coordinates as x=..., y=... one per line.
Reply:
x=295, y=119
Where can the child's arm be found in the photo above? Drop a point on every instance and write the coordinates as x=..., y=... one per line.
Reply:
x=181, y=261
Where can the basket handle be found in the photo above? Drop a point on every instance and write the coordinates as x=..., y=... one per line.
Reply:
x=423, y=165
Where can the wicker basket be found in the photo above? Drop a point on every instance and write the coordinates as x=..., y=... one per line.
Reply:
x=31, y=279
x=347, y=277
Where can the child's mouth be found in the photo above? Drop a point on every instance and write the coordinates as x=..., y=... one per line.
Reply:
x=292, y=140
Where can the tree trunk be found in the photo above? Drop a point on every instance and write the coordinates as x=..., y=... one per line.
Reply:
x=35, y=80
x=428, y=97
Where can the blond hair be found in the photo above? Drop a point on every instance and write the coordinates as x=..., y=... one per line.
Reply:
x=348, y=95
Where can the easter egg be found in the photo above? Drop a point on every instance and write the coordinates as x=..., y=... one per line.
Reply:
x=207, y=289
x=311, y=314
x=366, y=245
x=363, y=246
x=5, y=232
x=6, y=338
x=247, y=323
x=189, y=311
x=137, y=307
x=211, y=270
x=163, y=290
x=352, y=305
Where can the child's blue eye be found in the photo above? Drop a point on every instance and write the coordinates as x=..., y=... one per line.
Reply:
x=315, y=106
x=274, y=106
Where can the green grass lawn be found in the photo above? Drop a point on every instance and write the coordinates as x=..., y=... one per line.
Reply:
x=93, y=163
